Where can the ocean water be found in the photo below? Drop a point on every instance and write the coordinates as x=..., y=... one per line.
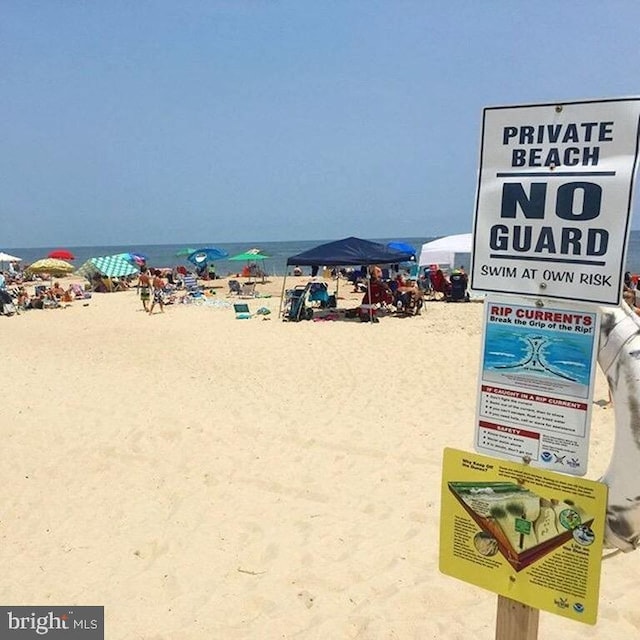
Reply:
x=164, y=255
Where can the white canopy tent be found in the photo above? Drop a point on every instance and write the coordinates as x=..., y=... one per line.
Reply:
x=443, y=250
x=6, y=258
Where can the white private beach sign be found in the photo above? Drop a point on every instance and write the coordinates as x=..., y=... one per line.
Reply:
x=554, y=198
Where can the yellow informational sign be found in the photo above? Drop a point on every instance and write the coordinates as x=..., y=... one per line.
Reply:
x=527, y=534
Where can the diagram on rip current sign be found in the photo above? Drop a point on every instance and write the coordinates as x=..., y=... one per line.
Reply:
x=536, y=385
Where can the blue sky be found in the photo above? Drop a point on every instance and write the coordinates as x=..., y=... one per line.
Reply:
x=175, y=121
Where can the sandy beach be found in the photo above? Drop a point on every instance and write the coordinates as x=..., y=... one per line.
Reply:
x=206, y=477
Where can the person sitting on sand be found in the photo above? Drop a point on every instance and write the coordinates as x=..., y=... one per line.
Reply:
x=408, y=296
x=36, y=301
x=22, y=298
x=378, y=291
x=69, y=295
x=118, y=284
x=629, y=297
x=56, y=292
x=439, y=283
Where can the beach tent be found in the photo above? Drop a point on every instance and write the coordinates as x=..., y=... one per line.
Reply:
x=108, y=266
x=443, y=250
x=6, y=258
x=347, y=252
x=115, y=266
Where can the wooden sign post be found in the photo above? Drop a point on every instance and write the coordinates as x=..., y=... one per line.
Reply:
x=516, y=621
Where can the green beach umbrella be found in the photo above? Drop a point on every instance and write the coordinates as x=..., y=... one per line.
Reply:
x=250, y=256
x=187, y=251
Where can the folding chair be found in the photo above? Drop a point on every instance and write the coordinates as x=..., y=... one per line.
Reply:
x=234, y=287
x=248, y=290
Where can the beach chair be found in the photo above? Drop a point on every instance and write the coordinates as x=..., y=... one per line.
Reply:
x=7, y=306
x=248, y=290
x=190, y=283
x=458, y=291
x=295, y=308
x=318, y=292
x=234, y=287
x=242, y=311
x=79, y=292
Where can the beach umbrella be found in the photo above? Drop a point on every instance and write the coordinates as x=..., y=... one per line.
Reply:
x=61, y=254
x=132, y=258
x=208, y=254
x=186, y=251
x=52, y=266
x=402, y=246
x=249, y=256
x=139, y=258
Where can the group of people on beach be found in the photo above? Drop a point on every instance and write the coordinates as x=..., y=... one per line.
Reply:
x=151, y=286
x=45, y=297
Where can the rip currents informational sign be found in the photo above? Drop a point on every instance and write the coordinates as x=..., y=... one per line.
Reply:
x=536, y=383
x=554, y=199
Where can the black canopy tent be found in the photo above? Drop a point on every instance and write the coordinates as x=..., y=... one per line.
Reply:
x=350, y=251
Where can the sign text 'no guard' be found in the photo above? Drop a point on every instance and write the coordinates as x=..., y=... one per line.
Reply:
x=554, y=199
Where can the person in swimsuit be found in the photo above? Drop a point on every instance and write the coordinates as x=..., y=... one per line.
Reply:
x=157, y=285
x=144, y=283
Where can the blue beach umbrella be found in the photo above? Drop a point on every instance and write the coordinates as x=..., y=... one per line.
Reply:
x=137, y=259
x=402, y=246
x=187, y=251
x=208, y=254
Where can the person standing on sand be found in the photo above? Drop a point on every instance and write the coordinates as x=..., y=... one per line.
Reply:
x=144, y=283
x=157, y=284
